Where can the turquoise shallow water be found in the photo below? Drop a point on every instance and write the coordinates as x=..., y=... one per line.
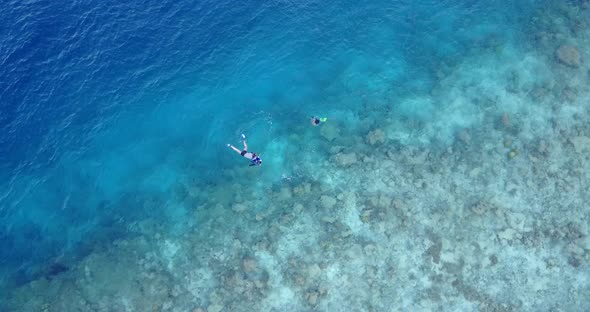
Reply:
x=115, y=119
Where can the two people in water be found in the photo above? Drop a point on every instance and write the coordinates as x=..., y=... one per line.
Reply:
x=253, y=157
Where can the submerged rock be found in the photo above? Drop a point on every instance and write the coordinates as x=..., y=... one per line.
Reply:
x=327, y=201
x=345, y=160
x=480, y=208
x=285, y=194
x=239, y=207
x=581, y=143
x=329, y=132
x=516, y=221
x=302, y=189
x=249, y=264
x=215, y=308
x=376, y=136
x=56, y=269
x=569, y=55
x=312, y=297
x=328, y=219
x=542, y=147
x=508, y=234
x=505, y=121
x=464, y=136
x=513, y=153
x=336, y=149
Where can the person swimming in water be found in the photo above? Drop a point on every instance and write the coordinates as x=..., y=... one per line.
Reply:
x=315, y=121
x=254, y=158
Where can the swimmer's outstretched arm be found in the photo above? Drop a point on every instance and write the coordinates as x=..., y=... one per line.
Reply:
x=235, y=149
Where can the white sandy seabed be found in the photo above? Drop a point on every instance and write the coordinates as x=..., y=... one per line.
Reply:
x=482, y=206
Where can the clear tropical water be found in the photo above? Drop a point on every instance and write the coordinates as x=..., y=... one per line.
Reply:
x=117, y=114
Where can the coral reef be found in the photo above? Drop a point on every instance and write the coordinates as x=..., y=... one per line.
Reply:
x=477, y=204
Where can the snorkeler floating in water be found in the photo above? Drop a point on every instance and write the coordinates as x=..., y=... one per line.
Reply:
x=315, y=121
x=255, y=160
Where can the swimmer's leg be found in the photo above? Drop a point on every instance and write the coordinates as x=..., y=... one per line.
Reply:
x=244, y=141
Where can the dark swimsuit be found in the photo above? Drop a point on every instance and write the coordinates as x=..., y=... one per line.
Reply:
x=247, y=154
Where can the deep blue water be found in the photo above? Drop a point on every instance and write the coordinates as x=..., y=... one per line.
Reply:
x=107, y=106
